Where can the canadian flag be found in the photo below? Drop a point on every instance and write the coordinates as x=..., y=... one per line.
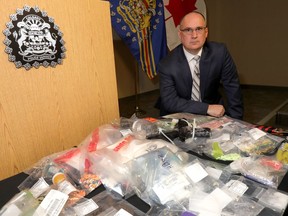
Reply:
x=174, y=11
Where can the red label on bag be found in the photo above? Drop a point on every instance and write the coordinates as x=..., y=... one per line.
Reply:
x=94, y=141
x=67, y=156
x=123, y=143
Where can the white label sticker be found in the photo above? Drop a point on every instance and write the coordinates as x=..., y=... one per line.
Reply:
x=196, y=172
x=237, y=187
x=52, y=204
x=215, y=173
x=256, y=133
x=122, y=212
x=66, y=187
x=39, y=187
x=12, y=210
x=85, y=207
x=125, y=132
x=218, y=199
x=166, y=189
x=210, y=204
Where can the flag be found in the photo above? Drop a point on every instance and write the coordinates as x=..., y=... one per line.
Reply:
x=141, y=25
x=174, y=11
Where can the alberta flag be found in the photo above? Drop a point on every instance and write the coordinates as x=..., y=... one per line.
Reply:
x=140, y=24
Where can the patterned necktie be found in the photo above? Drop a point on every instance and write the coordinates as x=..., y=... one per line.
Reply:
x=196, y=80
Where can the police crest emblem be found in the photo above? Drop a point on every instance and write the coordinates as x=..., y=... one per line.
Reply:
x=32, y=39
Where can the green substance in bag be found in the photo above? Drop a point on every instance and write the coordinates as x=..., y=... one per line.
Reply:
x=230, y=157
x=216, y=150
x=218, y=154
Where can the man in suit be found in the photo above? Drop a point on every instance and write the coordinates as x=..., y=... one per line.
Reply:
x=216, y=68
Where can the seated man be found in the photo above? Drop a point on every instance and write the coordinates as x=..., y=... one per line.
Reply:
x=190, y=85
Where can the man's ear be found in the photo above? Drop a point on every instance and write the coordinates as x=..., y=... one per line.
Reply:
x=179, y=34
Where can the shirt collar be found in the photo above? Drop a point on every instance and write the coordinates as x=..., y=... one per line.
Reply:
x=190, y=56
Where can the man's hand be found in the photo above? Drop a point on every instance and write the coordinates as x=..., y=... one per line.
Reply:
x=216, y=110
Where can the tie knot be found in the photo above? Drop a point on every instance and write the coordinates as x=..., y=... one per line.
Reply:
x=196, y=58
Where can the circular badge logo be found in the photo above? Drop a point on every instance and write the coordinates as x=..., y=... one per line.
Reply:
x=33, y=39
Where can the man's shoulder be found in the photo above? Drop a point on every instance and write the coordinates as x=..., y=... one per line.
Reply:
x=214, y=45
x=176, y=50
x=214, y=48
x=174, y=54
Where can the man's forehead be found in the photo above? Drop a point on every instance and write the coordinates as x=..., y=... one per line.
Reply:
x=193, y=17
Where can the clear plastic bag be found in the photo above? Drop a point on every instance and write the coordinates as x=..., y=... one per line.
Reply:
x=282, y=153
x=21, y=204
x=114, y=174
x=143, y=128
x=242, y=207
x=52, y=176
x=231, y=139
x=200, y=178
x=76, y=164
x=101, y=137
x=272, y=199
x=154, y=176
x=107, y=204
x=252, y=144
x=110, y=163
x=263, y=169
x=209, y=203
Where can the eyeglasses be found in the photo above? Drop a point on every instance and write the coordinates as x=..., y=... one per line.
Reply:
x=197, y=30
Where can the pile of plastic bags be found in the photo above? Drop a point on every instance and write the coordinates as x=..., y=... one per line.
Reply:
x=148, y=158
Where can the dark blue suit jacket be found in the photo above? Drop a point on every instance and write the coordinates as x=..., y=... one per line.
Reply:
x=216, y=68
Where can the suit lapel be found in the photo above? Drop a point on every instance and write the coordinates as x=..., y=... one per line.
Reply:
x=185, y=72
x=204, y=70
